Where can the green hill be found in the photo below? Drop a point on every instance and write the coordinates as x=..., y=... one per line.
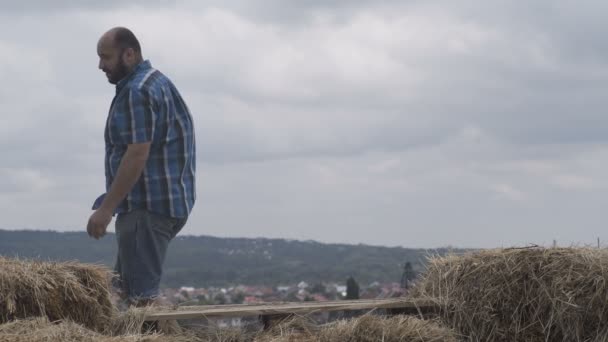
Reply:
x=211, y=261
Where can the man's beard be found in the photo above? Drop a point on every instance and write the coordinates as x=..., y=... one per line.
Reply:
x=121, y=71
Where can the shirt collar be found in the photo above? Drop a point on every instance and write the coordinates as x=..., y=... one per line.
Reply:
x=143, y=66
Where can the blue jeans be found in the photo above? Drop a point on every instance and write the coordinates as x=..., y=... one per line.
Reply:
x=143, y=238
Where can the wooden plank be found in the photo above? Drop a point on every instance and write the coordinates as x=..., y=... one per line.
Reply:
x=274, y=304
x=245, y=306
x=286, y=308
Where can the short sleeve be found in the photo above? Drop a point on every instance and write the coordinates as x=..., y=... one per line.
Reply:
x=139, y=118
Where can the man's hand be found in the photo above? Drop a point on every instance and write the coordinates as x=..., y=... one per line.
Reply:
x=98, y=223
x=130, y=169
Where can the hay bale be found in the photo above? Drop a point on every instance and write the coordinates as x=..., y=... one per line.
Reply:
x=367, y=328
x=216, y=334
x=292, y=329
x=41, y=330
x=132, y=321
x=527, y=294
x=128, y=322
x=78, y=292
x=370, y=328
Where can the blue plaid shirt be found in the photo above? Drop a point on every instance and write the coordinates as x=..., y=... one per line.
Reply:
x=148, y=108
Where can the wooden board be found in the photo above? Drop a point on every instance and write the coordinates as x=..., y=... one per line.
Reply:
x=265, y=309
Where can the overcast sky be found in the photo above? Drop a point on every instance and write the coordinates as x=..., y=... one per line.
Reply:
x=398, y=123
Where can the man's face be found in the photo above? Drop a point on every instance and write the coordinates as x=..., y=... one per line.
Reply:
x=111, y=61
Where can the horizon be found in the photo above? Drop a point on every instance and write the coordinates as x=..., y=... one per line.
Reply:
x=111, y=233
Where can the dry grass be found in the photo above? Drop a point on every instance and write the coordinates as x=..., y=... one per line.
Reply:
x=50, y=301
x=366, y=328
x=129, y=322
x=216, y=334
x=363, y=329
x=41, y=330
x=398, y=328
x=528, y=294
x=72, y=291
x=302, y=329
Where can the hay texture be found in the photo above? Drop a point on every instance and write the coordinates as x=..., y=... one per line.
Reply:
x=77, y=292
x=41, y=330
x=527, y=294
x=367, y=328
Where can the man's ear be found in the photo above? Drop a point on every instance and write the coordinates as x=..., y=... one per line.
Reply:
x=129, y=56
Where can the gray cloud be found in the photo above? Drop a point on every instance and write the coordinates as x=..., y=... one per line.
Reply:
x=412, y=123
x=27, y=7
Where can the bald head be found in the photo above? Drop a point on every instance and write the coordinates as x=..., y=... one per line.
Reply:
x=119, y=53
x=125, y=39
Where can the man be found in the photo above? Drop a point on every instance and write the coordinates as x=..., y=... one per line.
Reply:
x=149, y=165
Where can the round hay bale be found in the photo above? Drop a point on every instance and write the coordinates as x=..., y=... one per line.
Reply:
x=78, y=292
x=525, y=294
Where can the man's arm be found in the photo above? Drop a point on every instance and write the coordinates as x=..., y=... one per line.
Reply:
x=130, y=169
x=135, y=129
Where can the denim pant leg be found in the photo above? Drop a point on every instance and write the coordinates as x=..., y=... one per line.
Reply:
x=143, y=238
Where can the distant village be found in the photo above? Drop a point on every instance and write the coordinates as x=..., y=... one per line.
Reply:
x=300, y=292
